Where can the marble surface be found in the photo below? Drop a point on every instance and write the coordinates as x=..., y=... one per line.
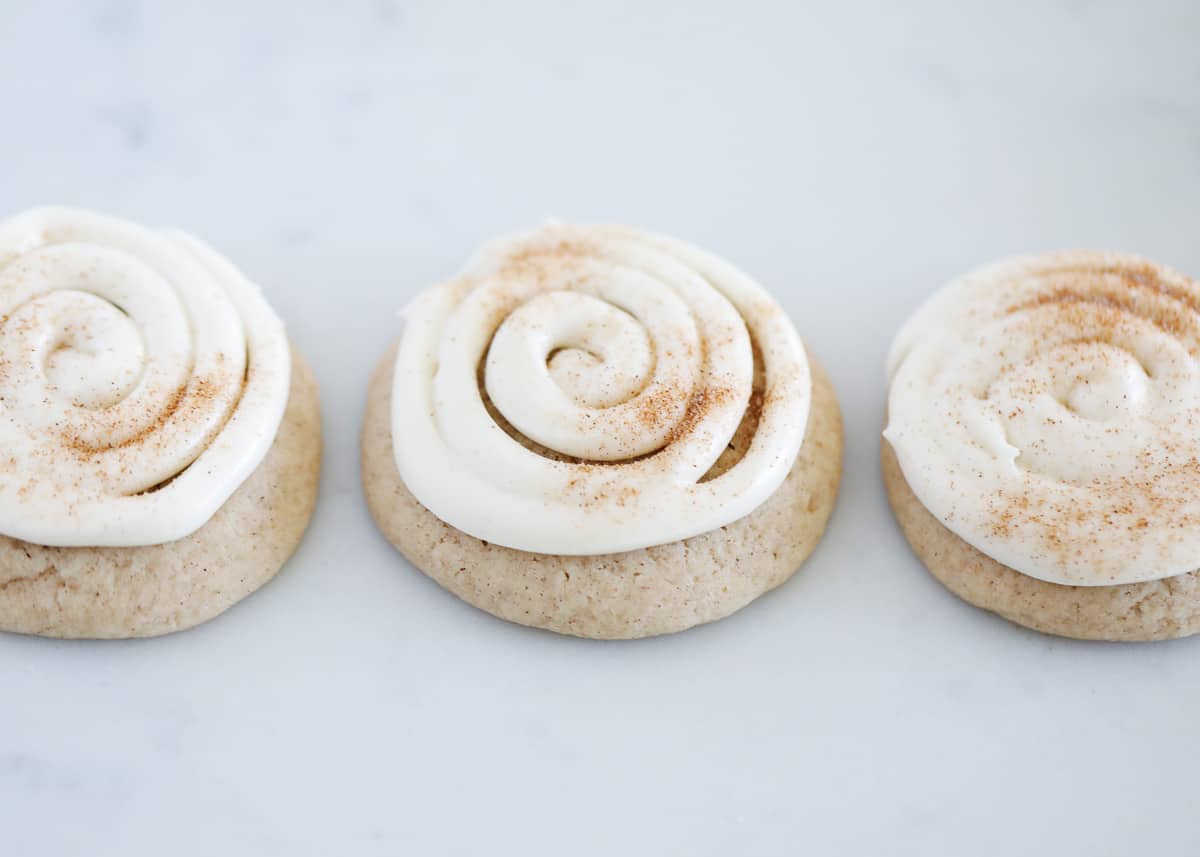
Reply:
x=853, y=156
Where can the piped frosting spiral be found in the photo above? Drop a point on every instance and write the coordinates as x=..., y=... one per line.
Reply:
x=142, y=379
x=1047, y=411
x=571, y=390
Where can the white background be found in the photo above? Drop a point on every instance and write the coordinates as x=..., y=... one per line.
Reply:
x=851, y=156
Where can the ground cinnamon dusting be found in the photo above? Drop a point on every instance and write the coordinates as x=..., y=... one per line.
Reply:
x=566, y=265
x=194, y=399
x=1157, y=492
x=1142, y=292
x=659, y=409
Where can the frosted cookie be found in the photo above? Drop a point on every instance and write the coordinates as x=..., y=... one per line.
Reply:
x=601, y=432
x=1042, y=450
x=160, y=437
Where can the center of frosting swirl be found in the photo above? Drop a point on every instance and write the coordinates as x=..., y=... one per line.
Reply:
x=572, y=389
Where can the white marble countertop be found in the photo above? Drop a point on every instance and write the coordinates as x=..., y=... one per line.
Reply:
x=853, y=158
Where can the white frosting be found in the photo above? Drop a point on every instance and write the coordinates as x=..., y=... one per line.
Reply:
x=142, y=379
x=1047, y=411
x=628, y=354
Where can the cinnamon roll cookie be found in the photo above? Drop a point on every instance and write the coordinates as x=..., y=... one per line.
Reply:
x=1042, y=451
x=160, y=438
x=602, y=432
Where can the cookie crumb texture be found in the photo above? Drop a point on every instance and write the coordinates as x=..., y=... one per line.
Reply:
x=1154, y=610
x=108, y=593
x=640, y=593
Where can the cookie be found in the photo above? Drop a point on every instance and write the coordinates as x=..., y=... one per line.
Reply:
x=163, y=436
x=1151, y=610
x=596, y=490
x=145, y=591
x=1040, y=453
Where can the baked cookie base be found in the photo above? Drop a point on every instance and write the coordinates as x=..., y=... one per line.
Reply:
x=146, y=591
x=1154, y=610
x=638, y=593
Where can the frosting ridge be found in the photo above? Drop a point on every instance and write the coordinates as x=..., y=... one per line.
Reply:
x=570, y=391
x=142, y=379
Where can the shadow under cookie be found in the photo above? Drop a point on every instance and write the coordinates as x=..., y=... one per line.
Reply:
x=115, y=592
x=639, y=593
x=1153, y=610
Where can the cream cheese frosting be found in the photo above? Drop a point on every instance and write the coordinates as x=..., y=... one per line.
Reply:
x=142, y=379
x=570, y=390
x=1047, y=411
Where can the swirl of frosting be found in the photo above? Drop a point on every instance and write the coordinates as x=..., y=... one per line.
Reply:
x=1047, y=411
x=142, y=379
x=571, y=390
